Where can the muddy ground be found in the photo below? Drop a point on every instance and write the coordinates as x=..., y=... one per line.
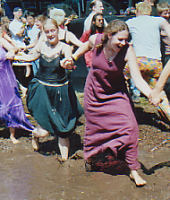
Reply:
x=29, y=175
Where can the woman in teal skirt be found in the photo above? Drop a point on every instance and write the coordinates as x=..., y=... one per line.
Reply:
x=50, y=98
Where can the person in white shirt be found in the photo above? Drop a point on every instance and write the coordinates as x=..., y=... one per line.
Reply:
x=32, y=30
x=96, y=7
x=145, y=33
x=17, y=27
x=17, y=30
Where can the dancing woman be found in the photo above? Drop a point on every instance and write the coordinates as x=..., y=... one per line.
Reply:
x=111, y=125
x=12, y=113
x=51, y=98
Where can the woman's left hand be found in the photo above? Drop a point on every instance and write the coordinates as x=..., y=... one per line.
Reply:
x=155, y=97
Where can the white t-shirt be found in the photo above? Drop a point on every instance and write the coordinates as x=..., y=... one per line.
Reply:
x=15, y=27
x=33, y=33
x=145, y=32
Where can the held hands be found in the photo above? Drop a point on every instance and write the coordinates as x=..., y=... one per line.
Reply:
x=156, y=97
x=67, y=63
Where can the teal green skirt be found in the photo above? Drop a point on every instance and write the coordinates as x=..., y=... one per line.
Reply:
x=56, y=109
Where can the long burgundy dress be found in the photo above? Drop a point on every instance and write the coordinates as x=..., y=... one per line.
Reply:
x=11, y=109
x=110, y=121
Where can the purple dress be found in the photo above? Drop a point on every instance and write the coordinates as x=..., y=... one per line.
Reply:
x=11, y=109
x=110, y=121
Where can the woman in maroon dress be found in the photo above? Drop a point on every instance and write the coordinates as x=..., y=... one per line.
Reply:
x=110, y=122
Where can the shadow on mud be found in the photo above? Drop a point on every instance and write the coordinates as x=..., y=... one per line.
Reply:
x=156, y=167
x=50, y=147
x=151, y=119
x=4, y=133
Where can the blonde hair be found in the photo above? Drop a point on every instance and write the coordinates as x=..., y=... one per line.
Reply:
x=41, y=18
x=143, y=8
x=52, y=21
x=112, y=28
x=58, y=15
x=5, y=25
x=163, y=6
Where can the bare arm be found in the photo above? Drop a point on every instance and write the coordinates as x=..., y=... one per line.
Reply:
x=140, y=83
x=155, y=96
x=67, y=61
x=6, y=37
x=73, y=39
x=85, y=47
x=10, y=48
x=6, y=45
x=166, y=27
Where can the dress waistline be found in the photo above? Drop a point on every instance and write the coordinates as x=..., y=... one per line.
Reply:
x=53, y=84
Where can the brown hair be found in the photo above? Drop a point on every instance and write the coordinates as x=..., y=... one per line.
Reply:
x=112, y=28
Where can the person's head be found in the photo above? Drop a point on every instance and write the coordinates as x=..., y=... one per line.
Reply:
x=143, y=8
x=5, y=24
x=163, y=9
x=51, y=30
x=5, y=20
x=97, y=6
x=58, y=15
x=151, y=2
x=17, y=12
x=30, y=18
x=39, y=20
x=97, y=23
x=116, y=35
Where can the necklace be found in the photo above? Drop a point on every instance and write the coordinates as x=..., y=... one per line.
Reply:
x=109, y=58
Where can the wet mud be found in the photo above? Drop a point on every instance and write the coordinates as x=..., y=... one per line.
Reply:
x=29, y=175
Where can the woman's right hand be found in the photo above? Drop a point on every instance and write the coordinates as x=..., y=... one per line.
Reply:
x=67, y=63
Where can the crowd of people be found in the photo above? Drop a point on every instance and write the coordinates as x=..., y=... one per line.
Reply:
x=47, y=50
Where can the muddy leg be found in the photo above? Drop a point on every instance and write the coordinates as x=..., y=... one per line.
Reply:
x=12, y=135
x=64, y=145
x=36, y=134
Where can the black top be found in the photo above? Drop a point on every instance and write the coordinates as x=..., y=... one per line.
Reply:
x=50, y=70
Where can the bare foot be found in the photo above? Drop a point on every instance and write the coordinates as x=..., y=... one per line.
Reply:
x=35, y=144
x=60, y=159
x=14, y=140
x=139, y=181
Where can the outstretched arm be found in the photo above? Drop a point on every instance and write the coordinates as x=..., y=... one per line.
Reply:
x=84, y=47
x=74, y=40
x=155, y=96
x=9, y=47
x=32, y=56
x=140, y=83
x=27, y=57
